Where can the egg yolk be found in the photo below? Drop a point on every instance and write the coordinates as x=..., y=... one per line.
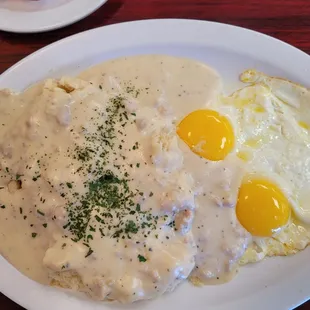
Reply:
x=208, y=134
x=262, y=208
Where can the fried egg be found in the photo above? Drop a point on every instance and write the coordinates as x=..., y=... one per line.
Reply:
x=272, y=139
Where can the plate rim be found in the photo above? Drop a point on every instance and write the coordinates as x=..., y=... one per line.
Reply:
x=74, y=37
x=45, y=27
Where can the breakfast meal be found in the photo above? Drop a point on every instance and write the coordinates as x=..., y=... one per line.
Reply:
x=140, y=174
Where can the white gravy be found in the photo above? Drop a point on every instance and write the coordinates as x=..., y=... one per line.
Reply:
x=98, y=193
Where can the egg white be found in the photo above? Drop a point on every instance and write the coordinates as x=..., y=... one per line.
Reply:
x=273, y=119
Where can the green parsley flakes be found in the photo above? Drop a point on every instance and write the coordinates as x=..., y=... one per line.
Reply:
x=40, y=212
x=142, y=259
x=90, y=252
x=69, y=185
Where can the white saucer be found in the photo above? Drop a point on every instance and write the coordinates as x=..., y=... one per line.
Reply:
x=28, y=16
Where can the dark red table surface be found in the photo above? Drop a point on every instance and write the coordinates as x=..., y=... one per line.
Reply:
x=287, y=20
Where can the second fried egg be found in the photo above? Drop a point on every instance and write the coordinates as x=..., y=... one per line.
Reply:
x=273, y=142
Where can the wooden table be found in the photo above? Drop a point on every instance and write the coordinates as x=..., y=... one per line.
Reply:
x=287, y=20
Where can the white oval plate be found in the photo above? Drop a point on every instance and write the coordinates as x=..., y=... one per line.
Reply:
x=276, y=283
x=29, y=16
